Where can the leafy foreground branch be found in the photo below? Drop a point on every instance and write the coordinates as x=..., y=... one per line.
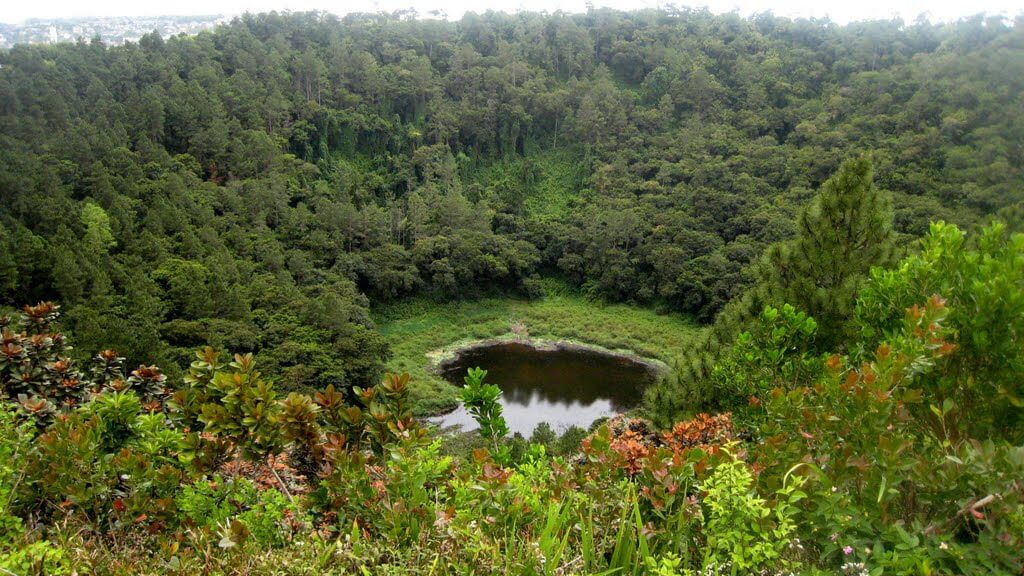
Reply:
x=883, y=461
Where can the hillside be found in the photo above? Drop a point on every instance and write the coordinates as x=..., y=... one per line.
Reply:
x=230, y=187
x=227, y=260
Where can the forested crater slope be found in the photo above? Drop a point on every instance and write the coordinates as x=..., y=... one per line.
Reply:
x=259, y=186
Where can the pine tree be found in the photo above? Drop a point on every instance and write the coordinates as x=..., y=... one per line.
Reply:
x=845, y=231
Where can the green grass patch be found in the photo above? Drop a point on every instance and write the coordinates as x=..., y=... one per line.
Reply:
x=561, y=177
x=414, y=328
x=555, y=179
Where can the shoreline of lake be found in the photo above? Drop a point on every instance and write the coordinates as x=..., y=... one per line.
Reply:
x=441, y=359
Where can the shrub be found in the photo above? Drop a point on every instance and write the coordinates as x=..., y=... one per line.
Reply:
x=983, y=283
x=268, y=518
x=481, y=401
x=20, y=553
x=776, y=353
x=742, y=531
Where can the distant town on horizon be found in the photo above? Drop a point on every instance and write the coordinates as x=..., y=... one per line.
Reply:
x=117, y=30
x=111, y=29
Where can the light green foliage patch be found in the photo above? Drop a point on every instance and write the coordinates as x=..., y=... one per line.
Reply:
x=545, y=183
x=744, y=532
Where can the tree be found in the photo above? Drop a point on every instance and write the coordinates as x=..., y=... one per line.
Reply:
x=98, y=237
x=845, y=232
x=186, y=286
x=841, y=235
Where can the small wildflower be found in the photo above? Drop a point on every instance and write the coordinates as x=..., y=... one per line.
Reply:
x=847, y=550
x=834, y=536
x=943, y=546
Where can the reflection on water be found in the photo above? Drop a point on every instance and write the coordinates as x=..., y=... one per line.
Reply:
x=562, y=387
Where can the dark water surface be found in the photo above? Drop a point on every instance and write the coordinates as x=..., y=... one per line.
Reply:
x=563, y=386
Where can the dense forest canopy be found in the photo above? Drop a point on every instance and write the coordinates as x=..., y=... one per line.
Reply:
x=258, y=187
x=819, y=226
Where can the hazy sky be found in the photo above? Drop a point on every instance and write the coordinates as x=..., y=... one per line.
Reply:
x=838, y=10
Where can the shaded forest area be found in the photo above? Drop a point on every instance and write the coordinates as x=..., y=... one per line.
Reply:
x=257, y=188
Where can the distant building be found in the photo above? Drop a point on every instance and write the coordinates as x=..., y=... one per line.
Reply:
x=113, y=31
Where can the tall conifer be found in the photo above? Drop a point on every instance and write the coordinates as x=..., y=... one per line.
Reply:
x=845, y=231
